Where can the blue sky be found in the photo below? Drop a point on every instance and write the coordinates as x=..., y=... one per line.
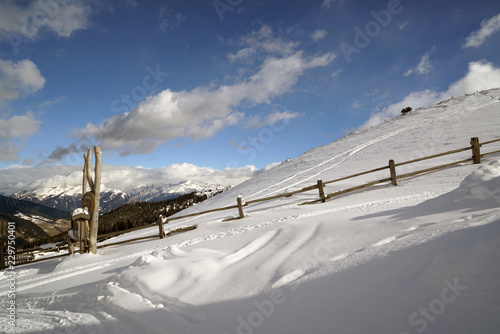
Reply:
x=229, y=83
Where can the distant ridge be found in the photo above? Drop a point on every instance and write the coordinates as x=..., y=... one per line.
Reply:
x=68, y=198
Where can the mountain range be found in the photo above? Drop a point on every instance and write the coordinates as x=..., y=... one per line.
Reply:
x=68, y=197
x=33, y=221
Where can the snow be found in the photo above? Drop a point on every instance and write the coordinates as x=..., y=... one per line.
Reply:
x=78, y=211
x=419, y=257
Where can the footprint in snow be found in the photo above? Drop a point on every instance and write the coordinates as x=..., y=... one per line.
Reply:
x=288, y=278
x=413, y=228
x=339, y=257
x=384, y=241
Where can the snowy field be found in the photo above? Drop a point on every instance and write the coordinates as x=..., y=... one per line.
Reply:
x=422, y=257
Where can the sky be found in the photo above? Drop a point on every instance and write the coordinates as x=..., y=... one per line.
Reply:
x=230, y=86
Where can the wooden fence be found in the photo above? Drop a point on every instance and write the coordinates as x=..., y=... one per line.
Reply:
x=393, y=177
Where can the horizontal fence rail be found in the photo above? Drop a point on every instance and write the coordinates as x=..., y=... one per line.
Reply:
x=24, y=256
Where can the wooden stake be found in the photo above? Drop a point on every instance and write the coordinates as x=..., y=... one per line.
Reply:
x=84, y=183
x=71, y=246
x=160, y=227
x=392, y=168
x=476, y=150
x=240, y=206
x=88, y=164
x=321, y=191
x=96, y=189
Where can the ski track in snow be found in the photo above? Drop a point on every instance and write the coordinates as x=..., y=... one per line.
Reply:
x=355, y=150
x=349, y=154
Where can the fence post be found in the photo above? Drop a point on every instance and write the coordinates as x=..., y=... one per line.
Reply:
x=321, y=191
x=160, y=226
x=476, y=150
x=392, y=167
x=2, y=258
x=71, y=246
x=240, y=207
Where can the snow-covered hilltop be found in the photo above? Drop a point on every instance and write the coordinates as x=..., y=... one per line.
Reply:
x=420, y=257
x=153, y=193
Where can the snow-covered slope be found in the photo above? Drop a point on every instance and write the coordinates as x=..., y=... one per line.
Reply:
x=419, y=257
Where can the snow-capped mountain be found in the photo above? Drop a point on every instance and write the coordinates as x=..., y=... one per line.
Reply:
x=68, y=197
x=160, y=192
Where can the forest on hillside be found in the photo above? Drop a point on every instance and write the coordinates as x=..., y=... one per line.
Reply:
x=145, y=213
x=128, y=216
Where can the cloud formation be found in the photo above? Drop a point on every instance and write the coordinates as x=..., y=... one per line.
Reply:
x=17, y=178
x=204, y=111
x=425, y=65
x=19, y=79
x=60, y=17
x=488, y=28
x=318, y=35
x=481, y=75
x=15, y=127
x=328, y=3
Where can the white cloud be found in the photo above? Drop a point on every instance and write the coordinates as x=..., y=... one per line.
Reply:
x=50, y=102
x=19, y=126
x=19, y=79
x=15, y=127
x=481, y=75
x=318, y=35
x=488, y=28
x=425, y=65
x=203, y=111
x=265, y=40
x=14, y=179
x=9, y=151
x=273, y=118
x=170, y=20
x=356, y=105
x=27, y=21
x=402, y=25
x=328, y=3
x=242, y=55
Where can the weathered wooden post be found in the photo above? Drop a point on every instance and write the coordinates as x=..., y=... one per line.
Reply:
x=476, y=150
x=160, y=227
x=2, y=258
x=80, y=217
x=240, y=207
x=91, y=200
x=392, y=168
x=321, y=191
x=96, y=191
x=71, y=246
